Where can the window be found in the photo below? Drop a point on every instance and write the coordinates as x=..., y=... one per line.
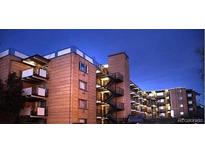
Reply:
x=160, y=94
x=82, y=85
x=190, y=102
x=83, y=121
x=151, y=94
x=161, y=108
x=41, y=104
x=161, y=100
x=180, y=98
x=83, y=67
x=189, y=95
x=181, y=113
x=83, y=104
x=162, y=115
x=181, y=105
x=191, y=109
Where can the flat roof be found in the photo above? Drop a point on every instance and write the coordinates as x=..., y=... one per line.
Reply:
x=119, y=53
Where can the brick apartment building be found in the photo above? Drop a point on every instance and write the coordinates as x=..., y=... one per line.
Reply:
x=68, y=86
x=167, y=103
x=61, y=87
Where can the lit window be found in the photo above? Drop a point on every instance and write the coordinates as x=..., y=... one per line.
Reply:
x=83, y=121
x=172, y=113
x=162, y=115
x=191, y=109
x=83, y=104
x=181, y=105
x=190, y=102
x=151, y=94
x=83, y=67
x=161, y=100
x=189, y=95
x=180, y=90
x=180, y=98
x=160, y=94
x=83, y=85
x=161, y=107
x=181, y=113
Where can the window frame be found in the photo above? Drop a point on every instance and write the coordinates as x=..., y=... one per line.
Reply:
x=79, y=105
x=86, y=85
x=82, y=70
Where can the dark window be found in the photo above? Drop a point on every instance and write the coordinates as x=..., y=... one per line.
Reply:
x=82, y=85
x=83, y=104
x=83, y=67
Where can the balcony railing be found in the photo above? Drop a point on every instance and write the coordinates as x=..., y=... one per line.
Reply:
x=162, y=108
x=35, y=92
x=40, y=111
x=117, y=105
x=116, y=90
x=34, y=74
x=116, y=76
x=34, y=112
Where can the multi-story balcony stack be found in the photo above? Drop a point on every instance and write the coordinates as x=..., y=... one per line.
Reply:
x=107, y=93
x=35, y=91
x=160, y=103
x=113, y=93
x=139, y=101
x=119, y=63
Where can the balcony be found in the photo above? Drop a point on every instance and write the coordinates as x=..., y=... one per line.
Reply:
x=118, y=77
x=160, y=94
x=39, y=112
x=34, y=75
x=162, y=108
x=34, y=111
x=116, y=90
x=161, y=102
x=35, y=93
x=117, y=106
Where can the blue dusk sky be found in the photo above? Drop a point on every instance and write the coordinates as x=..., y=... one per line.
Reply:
x=158, y=59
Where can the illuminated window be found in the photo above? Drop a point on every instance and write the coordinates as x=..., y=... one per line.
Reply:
x=83, y=104
x=83, y=85
x=181, y=105
x=160, y=94
x=181, y=113
x=83, y=121
x=191, y=109
x=162, y=115
x=180, y=98
x=83, y=67
x=189, y=95
x=190, y=102
x=161, y=107
x=161, y=100
x=151, y=94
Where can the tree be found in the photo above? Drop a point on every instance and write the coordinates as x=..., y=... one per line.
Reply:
x=11, y=99
x=1, y=92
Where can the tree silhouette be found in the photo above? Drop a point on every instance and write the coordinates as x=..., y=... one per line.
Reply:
x=11, y=99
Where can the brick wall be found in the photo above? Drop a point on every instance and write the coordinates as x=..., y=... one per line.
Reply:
x=120, y=63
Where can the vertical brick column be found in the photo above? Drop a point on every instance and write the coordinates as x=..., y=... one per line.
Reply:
x=120, y=63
